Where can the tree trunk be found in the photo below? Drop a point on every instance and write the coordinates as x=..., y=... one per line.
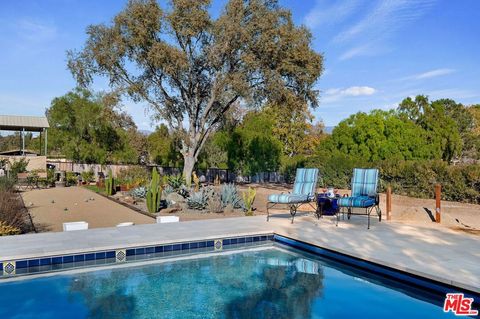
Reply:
x=188, y=164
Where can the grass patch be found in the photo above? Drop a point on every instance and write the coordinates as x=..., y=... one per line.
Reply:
x=95, y=188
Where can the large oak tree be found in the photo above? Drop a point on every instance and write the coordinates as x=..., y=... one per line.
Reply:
x=191, y=67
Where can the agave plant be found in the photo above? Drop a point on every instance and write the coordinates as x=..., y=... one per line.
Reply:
x=176, y=181
x=199, y=200
x=167, y=190
x=139, y=192
x=229, y=195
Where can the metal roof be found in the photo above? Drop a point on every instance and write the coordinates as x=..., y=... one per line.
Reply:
x=18, y=123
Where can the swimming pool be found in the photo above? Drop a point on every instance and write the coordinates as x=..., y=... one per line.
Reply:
x=269, y=281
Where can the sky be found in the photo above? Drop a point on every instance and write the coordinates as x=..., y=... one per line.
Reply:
x=377, y=52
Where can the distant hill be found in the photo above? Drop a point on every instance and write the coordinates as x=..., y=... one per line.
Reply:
x=329, y=129
x=145, y=132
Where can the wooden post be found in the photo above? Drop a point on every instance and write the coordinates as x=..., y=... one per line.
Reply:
x=389, y=203
x=438, y=194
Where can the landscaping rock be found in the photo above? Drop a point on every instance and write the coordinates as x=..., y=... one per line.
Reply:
x=129, y=200
x=228, y=209
x=175, y=198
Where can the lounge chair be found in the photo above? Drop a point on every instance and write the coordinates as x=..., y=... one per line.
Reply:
x=364, y=194
x=303, y=192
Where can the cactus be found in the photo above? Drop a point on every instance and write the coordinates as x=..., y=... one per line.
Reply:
x=248, y=198
x=196, y=181
x=154, y=193
x=176, y=181
x=110, y=184
x=229, y=195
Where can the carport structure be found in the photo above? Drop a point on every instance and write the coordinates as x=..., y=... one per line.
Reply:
x=24, y=124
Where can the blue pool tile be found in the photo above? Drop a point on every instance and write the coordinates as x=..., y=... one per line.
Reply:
x=270, y=237
x=19, y=264
x=67, y=259
x=1, y=267
x=167, y=248
x=45, y=261
x=159, y=249
x=202, y=244
x=241, y=240
x=100, y=255
x=249, y=239
x=130, y=252
x=150, y=250
x=233, y=241
x=57, y=260
x=193, y=245
x=210, y=243
x=89, y=257
x=139, y=251
x=33, y=263
x=110, y=254
x=263, y=238
x=78, y=258
x=256, y=238
x=185, y=246
x=226, y=242
x=177, y=247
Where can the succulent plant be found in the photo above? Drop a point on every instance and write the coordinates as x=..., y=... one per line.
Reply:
x=229, y=195
x=154, y=193
x=176, y=181
x=199, y=200
x=248, y=198
x=139, y=192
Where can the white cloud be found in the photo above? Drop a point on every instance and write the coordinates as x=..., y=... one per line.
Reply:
x=356, y=51
x=322, y=14
x=431, y=74
x=36, y=31
x=335, y=94
x=386, y=17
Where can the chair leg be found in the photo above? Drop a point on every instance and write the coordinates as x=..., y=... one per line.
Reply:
x=368, y=213
x=293, y=211
x=379, y=213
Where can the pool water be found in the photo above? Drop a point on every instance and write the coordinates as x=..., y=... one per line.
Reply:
x=264, y=283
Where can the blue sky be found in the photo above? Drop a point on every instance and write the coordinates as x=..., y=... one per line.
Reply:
x=376, y=52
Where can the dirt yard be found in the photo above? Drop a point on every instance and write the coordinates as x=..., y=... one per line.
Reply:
x=102, y=212
x=51, y=207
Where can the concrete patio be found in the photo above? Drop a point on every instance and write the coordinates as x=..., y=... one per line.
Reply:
x=434, y=252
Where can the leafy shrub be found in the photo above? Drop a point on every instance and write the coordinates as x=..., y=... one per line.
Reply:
x=6, y=184
x=19, y=166
x=133, y=176
x=88, y=176
x=229, y=195
x=13, y=215
x=71, y=178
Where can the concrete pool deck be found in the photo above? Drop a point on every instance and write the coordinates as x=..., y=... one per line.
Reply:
x=436, y=253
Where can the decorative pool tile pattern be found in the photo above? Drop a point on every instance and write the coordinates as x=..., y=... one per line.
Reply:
x=95, y=258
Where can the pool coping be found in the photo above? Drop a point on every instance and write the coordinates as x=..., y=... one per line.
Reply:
x=114, y=239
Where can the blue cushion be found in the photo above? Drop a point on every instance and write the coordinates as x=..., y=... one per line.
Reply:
x=288, y=198
x=306, y=181
x=356, y=201
x=364, y=182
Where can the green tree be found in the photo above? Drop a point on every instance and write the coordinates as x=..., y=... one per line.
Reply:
x=162, y=147
x=84, y=128
x=191, y=68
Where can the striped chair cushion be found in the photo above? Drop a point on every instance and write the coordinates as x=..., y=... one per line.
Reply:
x=306, y=182
x=356, y=201
x=288, y=198
x=364, y=182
